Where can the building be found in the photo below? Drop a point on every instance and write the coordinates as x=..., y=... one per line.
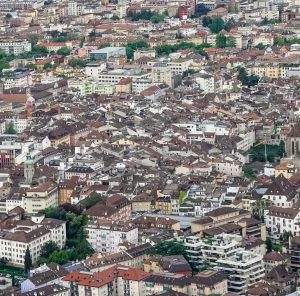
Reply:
x=105, y=235
x=292, y=142
x=279, y=219
x=31, y=234
x=117, y=207
x=281, y=192
x=218, y=217
x=206, y=251
x=15, y=47
x=244, y=268
x=294, y=253
x=117, y=280
x=41, y=197
x=161, y=73
x=28, y=169
x=105, y=53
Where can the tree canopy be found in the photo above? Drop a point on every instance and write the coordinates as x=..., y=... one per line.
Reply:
x=169, y=248
x=245, y=79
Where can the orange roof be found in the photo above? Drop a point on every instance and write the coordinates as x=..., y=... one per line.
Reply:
x=99, y=279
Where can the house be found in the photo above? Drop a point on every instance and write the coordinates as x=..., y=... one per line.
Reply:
x=281, y=192
x=116, y=207
x=46, y=274
x=172, y=264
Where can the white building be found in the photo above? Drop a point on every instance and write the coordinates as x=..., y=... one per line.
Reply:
x=32, y=234
x=206, y=82
x=279, y=220
x=244, y=269
x=229, y=166
x=15, y=47
x=210, y=250
x=106, y=235
x=94, y=69
x=281, y=192
x=161, y=73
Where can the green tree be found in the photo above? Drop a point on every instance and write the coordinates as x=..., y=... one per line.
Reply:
x=3, y=262
x=259, y=207
x=10, y=129
x=48, y=248
x=169, y=248
x=260, y=46
x=115, y=17
x=48, y=66
x=31, y=66
x=37, y=51
x=77, y=63
x=221, y=41
x=217, y=25
x=286, y=236
x=230, y=42
x=248, y=173
x=249, y=80
x=88, y=202
x=65, y=51
x=133, y=46
x=55, y=213
x=27, y=261
x=206, y=21
x=269, y=244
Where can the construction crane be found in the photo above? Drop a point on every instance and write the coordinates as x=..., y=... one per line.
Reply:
x=263, y=142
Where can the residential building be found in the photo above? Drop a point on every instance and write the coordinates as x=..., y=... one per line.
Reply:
x=244, y=268
x=15, y=47
x=105, y=235
x=41, y=197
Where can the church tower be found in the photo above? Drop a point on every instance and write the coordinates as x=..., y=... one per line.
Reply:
x=28, y=169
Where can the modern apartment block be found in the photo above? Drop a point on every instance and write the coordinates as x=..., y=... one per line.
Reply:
x=244, y=268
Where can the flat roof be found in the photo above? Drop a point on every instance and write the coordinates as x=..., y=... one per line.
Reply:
x=107, y=49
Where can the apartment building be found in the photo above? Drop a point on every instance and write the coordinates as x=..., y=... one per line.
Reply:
x=217, y=217
x=281, y=192
x=207, y=251
x=105, y=235
x=161, y=73
x=117, y=280
x=244, y=268
x=279, y=219
x=204, y=283
x=15, y=47
x=41, y=197
x=31, y=234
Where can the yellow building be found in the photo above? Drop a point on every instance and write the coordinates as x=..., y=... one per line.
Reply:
x=273, y=71
x=164, y=205
x=59, y=137
x=41, y=197
x=142, y=203
x=287, y=169
x=66, y=189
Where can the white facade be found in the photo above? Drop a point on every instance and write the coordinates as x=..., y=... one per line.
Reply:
x=279, y=220
x=244, y=268
x=13, y=245
x=105, y=236
x=15, y=47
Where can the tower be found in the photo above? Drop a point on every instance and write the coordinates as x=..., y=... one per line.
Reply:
x=28, y=169
x=29, y=103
